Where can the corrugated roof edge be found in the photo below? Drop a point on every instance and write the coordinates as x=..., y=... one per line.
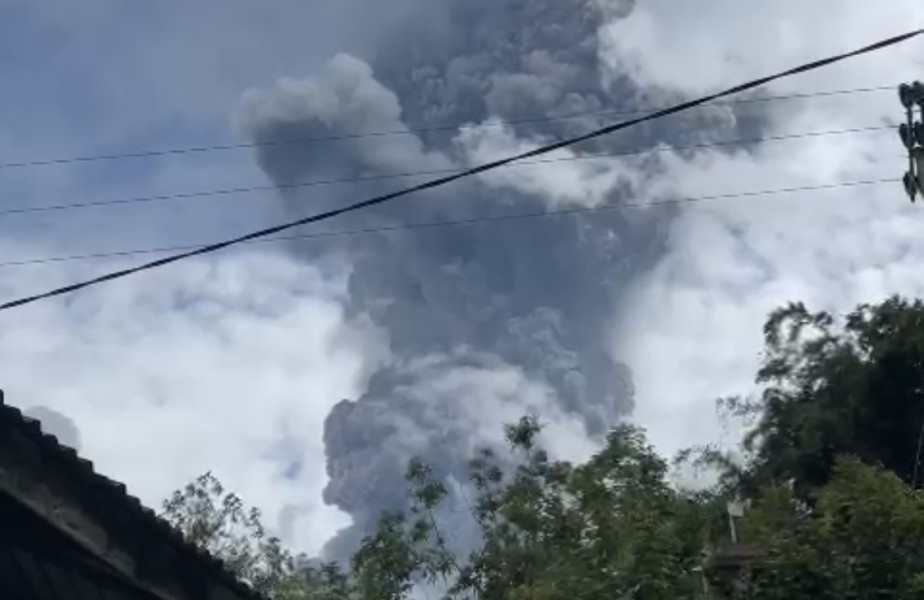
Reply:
x=32, y=428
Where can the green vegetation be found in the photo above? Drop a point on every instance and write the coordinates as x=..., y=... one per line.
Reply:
x=828, y=472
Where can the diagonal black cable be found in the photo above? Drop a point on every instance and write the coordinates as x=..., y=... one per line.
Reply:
x=154, y=153
x=506, y=218
x=684, y=106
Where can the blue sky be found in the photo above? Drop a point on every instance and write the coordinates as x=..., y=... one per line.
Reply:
x=104, y=78
x=232, y=363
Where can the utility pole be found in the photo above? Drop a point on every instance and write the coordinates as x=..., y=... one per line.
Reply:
x=735, y=510
x=912, y=135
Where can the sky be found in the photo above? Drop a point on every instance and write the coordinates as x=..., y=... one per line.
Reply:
x=238, y=363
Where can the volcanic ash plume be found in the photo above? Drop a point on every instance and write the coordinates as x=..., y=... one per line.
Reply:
x=484, y=321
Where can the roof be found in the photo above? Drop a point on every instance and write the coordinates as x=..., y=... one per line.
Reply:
x=112, y=493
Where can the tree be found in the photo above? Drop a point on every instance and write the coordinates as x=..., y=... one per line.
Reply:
x=218, y=521
x=861, y=540
x=832, y=463
x=830, y=389
x=610, y=528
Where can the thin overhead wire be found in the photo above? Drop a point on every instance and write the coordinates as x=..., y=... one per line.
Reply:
x=244, y=190
x=406, y=227
x=270, y=231
x=204, y=149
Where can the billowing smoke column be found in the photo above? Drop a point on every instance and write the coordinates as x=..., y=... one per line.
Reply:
x=487, y=321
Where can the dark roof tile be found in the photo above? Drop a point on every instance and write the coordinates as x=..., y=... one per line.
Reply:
x=33, y=429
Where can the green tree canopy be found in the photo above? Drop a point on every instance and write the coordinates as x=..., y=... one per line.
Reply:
x=862, y=540
x=610, y=528
x=830, y=471
x=833, y=388
x=218, y=521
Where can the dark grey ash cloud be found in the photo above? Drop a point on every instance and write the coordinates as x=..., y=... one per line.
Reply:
x=487, y=321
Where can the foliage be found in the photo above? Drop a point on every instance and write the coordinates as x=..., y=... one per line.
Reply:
x=830, y=470
x=828, y=390
x=218, y=521
x=862, y=540
x=609, y=528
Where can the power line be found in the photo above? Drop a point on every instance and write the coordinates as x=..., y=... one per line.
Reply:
x=154, y=153
x=432, y=172
x=461, y=222
x=270, y=231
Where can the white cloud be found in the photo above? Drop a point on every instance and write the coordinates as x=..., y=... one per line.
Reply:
x=232, y=364
x=557, y=177
x=698, y=47
x=496, y=396
x=227, y=365
x=694, y=324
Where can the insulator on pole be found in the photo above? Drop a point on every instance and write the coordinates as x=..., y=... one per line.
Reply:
x=919, y=133
x=919, y=169
x=905, y=133
x=917, y=93
x=911, y=186
x=911, y=133
x=906, y=95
